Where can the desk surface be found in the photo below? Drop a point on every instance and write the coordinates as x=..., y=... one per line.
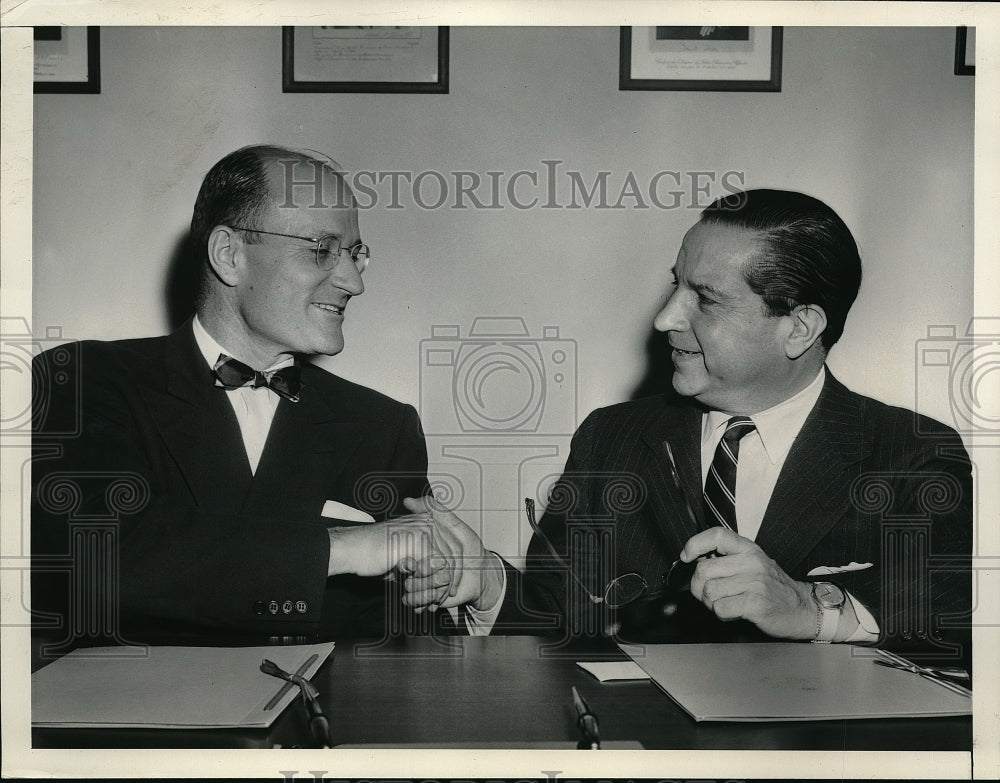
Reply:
x=512, y=691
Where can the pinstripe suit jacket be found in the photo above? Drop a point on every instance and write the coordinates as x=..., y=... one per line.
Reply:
x=864, y=482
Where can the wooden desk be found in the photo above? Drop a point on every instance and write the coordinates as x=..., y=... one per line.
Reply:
x=513, y=691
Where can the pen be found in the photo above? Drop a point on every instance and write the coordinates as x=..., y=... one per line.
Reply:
x=886, y=658
x=586, y=721
x=319, y=726
x=679, y=575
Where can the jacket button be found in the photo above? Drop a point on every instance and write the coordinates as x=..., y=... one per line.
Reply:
x=301, y=607
x=258, y=607
x=272, y=607
x=286, y=607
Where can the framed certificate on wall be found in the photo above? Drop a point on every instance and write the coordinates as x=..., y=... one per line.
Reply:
x=700, y=58
x=365, y=59
x=67, y=59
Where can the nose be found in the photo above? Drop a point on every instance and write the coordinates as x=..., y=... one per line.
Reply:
x=672, y=317
x=346, y=276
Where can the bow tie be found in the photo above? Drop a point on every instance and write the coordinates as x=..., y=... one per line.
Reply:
x=233, y=374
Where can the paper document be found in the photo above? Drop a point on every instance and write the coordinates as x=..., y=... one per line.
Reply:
x=608, y=671
x=788, y=681
x=169, y=687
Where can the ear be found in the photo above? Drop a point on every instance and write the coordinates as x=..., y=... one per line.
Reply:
x=224, y=251
x=808, y=324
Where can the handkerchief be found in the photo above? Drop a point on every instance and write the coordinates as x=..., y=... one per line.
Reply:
x=827, y=570
x=335, y=510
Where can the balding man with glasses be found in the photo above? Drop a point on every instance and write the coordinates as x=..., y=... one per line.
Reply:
x=257, y=485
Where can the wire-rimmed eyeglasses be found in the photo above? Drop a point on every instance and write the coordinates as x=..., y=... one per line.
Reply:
x=328, y=249
x=626, y=588
x=623, y=589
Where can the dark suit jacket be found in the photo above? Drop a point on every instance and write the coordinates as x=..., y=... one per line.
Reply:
x=864, y=483
x=136, y=450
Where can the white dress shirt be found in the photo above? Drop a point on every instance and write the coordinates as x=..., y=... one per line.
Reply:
x=762, y=455
x=254, y=408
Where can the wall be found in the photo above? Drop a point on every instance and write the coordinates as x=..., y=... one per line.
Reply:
x=871, y=120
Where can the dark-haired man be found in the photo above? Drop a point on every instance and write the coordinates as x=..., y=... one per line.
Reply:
x=804, y=511
x=232, y=487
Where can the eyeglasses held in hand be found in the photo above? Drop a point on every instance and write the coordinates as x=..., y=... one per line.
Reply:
x=620, y=591
x=328, y=249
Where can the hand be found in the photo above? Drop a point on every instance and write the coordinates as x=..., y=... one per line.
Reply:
x=379, y=548
x=743, y=582
x=474, y=574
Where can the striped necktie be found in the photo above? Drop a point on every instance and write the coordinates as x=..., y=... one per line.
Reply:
x=720, y=485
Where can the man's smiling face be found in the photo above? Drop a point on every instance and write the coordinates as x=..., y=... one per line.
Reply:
x=287, y=304
x=727, y=352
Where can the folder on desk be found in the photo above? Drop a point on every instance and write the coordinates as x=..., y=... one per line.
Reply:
x=788, y=681
x=169, y=687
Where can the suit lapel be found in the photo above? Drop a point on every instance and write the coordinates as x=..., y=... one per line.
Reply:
x=814, y=487
x=680, y=428
x=310, y=445
x=198, y=426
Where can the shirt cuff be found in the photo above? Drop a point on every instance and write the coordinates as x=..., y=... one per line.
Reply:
x=479, y=622
x=867, y=630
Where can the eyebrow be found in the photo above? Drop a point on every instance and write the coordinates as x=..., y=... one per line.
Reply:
x=703, y=288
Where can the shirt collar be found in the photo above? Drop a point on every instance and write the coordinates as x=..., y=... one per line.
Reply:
x=210, y=348
x=777, y=426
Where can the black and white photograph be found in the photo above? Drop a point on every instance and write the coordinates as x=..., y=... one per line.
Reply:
x=465, y=396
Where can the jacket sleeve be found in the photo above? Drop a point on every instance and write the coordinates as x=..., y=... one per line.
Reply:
x=553, y=595
x=118, y=541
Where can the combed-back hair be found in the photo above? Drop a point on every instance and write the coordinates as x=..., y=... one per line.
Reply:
x=809, y=255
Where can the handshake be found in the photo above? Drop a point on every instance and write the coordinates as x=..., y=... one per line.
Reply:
x=441, y=559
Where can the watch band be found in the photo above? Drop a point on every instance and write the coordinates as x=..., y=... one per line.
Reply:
x=827, y=621
x=828, y=612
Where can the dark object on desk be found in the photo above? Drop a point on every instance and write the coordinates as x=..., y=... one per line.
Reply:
x=319, y=726
x=586, y=722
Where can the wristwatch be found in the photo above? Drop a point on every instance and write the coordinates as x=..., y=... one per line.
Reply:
x=830, y=601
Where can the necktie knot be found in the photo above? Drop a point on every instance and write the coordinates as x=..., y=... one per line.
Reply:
x=231, y=373
x=736, y=428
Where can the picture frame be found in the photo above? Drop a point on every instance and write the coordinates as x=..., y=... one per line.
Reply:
x=67, y=60
x=743, y=59
x=965, y=51
x=365, y=59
